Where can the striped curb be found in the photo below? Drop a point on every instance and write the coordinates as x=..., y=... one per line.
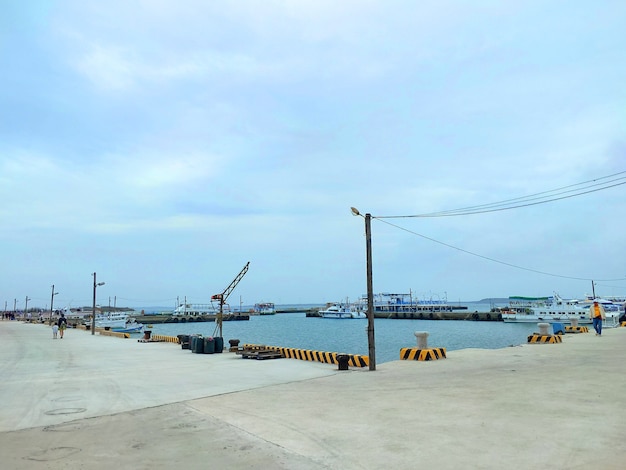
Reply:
x=576, y=329
x=536, y=338
x=116, y=334
x=354, y=360
x=430, y=354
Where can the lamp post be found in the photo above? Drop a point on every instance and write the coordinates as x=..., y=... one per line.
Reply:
x=26, y=307
x=52, y=304
x=370, y=290
x=93, y=309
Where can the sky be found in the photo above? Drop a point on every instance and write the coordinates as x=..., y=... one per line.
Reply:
x=164, y=144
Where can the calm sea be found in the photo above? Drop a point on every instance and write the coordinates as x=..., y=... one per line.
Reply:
x=295, y=330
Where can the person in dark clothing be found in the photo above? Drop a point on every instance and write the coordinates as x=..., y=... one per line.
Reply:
x=62, y=322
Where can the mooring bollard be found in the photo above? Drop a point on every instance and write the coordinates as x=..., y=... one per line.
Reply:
x=342, y=361
x=422, y=339
x=422, y=352
x=234, y=345
x=574, y=322
x=147, y=334
x=544, y=329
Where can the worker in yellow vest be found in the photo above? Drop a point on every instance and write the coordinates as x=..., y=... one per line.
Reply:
x=596, y=311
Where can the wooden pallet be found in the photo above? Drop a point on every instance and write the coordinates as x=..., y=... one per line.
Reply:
x=259, y=354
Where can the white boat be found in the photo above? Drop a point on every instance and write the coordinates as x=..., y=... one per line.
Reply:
x=111, y=320
x=555, y=309
x=393, y=304
x=132, y=326
x=118, y=321
x=265, y=308
x=342, y=311
x=198, y=310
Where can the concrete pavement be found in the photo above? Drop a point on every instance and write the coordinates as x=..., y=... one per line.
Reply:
x=96, y=402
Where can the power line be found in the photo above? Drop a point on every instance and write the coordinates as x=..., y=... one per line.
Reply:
x=585, y=187
x=492, y=259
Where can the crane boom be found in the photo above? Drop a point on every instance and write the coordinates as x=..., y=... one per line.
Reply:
x=225, y=294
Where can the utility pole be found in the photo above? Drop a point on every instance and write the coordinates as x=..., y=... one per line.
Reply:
x=370, y=290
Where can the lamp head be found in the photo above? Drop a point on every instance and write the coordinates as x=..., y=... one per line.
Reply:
x=355, y=211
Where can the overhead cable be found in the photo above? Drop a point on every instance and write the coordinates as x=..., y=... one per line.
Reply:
x=492, y=259
x=585, y=187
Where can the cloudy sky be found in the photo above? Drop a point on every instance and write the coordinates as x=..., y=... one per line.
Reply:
x=164, y=144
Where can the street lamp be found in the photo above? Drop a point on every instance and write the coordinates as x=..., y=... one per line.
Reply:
x=93, y=309
x=26, y=307
x=370, y=290
x=52, y=304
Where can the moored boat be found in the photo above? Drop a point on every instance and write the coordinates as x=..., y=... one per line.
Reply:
x=198, y=310
x=118, y=321
x=342, y=312
x=386, y=303
x=265, y=308
x=555, y=309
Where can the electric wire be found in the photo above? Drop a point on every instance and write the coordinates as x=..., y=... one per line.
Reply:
x=491, y=259
x=585, y=187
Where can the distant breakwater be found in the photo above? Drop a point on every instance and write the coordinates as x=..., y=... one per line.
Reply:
x=314, y=312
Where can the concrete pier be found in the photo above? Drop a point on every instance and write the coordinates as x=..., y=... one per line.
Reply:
x=99, y=402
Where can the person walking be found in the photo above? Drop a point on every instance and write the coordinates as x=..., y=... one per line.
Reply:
x=62, y=323
x=597, y=315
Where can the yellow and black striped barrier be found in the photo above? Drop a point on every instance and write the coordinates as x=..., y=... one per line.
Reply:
x=537, y=338
x=415, y=354
x=116, y=334
x=354, y=360
x=624, y=323
x=576, y=329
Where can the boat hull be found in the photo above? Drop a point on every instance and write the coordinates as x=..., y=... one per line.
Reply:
x=522, y=318
x=342, y=316
x=610, y=321
x=131, y=329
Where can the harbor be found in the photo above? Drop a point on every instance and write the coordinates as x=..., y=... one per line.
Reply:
x=146, y=405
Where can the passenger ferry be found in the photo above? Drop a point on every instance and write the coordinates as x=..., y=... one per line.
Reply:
x=555, y=309
x=406, y=303
x=198, y=310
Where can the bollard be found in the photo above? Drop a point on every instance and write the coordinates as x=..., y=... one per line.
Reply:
x=146, y=334
x=342, y=361
x=574, y=321
x=422, y=339
x=234, y=345
x=544, y=329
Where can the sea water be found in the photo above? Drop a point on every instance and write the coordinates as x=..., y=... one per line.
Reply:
x=296, y=330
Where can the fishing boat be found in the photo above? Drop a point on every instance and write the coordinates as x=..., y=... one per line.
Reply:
x=118, y=321
x=132, y=326
x=341, y=311
x=555, y=309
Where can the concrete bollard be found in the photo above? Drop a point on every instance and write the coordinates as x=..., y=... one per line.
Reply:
x=544, y=329
x=422, y=339
x=574, y=322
